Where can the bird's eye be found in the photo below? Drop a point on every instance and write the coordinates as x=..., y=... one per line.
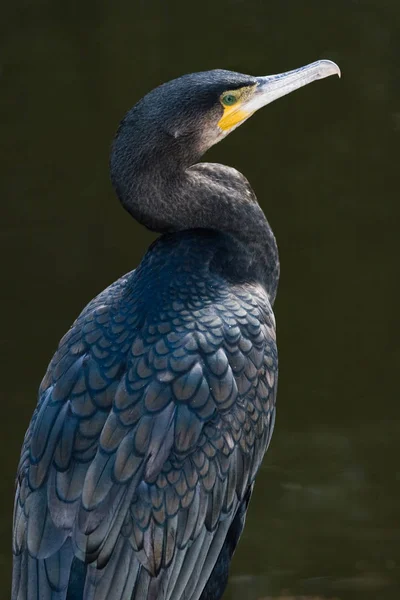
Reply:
x=229, y=99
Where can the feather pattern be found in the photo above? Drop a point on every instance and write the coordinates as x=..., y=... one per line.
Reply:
x=152, y=421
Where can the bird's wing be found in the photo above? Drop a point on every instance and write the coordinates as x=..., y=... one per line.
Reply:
x=146, y=439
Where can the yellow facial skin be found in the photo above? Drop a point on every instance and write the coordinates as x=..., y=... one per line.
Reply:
x=235, y=114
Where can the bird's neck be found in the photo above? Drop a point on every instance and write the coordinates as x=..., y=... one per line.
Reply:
x=207, y=196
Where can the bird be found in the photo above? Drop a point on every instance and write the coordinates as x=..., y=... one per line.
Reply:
x=155, y=413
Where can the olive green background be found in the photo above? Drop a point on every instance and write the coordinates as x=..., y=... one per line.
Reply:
x=324, y=162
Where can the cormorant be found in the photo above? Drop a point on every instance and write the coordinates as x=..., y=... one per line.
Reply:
x=159, y=404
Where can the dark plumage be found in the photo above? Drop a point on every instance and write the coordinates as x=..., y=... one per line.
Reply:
x=157, y=408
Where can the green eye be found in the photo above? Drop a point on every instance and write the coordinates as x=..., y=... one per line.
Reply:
x=229, y=99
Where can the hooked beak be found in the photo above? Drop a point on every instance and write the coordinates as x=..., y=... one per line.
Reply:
x=272, y=87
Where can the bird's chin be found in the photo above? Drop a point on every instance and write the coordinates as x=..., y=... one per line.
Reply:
x=236, y=125
x=211, y=137
x=223, y=133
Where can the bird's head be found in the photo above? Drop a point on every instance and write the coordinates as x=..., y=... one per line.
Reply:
x=197, y=110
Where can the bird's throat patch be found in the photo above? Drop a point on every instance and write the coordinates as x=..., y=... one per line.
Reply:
x=233, y=115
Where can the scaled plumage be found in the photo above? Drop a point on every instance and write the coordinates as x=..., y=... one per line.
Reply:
x=153, y=419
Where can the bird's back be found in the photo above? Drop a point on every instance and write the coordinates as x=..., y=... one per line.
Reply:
x=152, y=420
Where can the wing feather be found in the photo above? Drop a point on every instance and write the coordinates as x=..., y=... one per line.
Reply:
x=146, y=439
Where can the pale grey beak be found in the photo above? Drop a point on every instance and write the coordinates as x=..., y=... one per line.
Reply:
x=272, y=87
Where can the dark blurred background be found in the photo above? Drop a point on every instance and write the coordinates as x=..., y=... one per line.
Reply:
x=324, y=162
